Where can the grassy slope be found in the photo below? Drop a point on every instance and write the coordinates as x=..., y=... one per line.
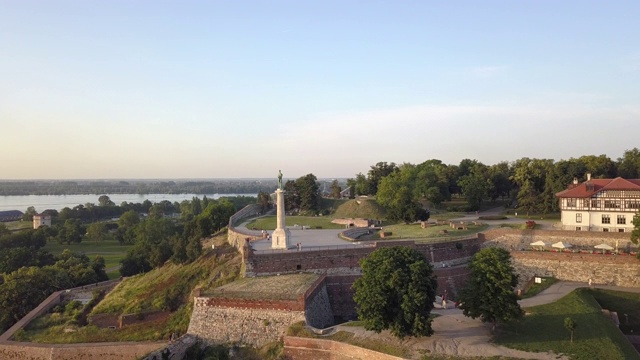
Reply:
x=146, y=292
x=622, y=303
x=596, y=337
x=360, y=208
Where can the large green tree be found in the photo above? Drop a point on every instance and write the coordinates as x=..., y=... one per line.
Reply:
x=635, y=233
x=397, y=193
x=489, y=293
x=396, y=292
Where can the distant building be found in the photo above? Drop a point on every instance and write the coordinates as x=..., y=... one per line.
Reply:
x=11, y=215
x=600, y=204
x=41, y=220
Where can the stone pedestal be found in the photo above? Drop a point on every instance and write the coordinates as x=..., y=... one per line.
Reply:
x=281, y=235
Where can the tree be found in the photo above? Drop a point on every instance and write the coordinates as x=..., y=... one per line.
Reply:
x=475, y=186
x=396, y=291
x=629, y=164
x=309, y=193
x=335, y=189
x=97, y=231
x=570, y=325
x=28, y=215
x=104, y=200
x=377, y=173
x=396, y=193
x=489, y=293
x=635, y=233
x=71, y=232
x=4, y=230
x=264, y=201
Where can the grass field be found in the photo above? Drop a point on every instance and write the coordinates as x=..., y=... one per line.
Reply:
x=595, y=337
x=110, y=250
x=269, y=222
x=18, y=225
x=414, y=231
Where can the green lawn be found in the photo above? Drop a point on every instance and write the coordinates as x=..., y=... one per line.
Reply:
x=18, y=225
x=596, y=337
x=414, y=231
x=269, y=222
x=110, y=250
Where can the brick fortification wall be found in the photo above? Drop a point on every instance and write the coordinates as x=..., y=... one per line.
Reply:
x=619, y=270
x=259, y=321
x=248, y=324
x=515, y=239
x=176, y=349
x=104, y=351
x=296, y=348
x=345, y=261
x=237, y=237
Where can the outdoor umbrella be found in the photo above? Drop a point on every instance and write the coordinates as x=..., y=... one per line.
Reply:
x=561, y=245
x=603, y=247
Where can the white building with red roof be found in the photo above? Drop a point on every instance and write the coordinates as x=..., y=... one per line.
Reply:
x=600, y=204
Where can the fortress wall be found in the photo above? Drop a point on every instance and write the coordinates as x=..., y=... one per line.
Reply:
x=236, y=237
x=619, y=270
x=518, y=239
x=104, y=351
x=346, y=261
x=318, y=312
x=254, y=325
x=320, y=349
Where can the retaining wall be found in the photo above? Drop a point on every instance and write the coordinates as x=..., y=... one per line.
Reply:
x=517, y=239
x=618, y=270
x=296, y=348
x=11, y=350
x=346, y=261
x=176, y=348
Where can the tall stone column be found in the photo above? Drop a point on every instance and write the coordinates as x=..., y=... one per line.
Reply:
x=281, y=235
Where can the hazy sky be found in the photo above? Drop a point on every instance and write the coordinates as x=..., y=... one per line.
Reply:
x=203, y=89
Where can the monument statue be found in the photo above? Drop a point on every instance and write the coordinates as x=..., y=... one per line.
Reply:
x=280, y=238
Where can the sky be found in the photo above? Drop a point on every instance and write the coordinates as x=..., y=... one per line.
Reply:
x=225, y=89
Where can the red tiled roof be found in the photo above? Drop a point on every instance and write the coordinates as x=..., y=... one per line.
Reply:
x=581, y=191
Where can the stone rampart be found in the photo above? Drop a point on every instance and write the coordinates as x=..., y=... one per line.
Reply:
x=11, y=350
x=318, y=312
x=518, y=239
x=346, y=260
x=296, y=348
x=176, y=349
x=618, y=270
x=256, y=326
x=237, y=237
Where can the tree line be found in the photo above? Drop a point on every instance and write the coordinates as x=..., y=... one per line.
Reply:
x=159, y=232
x=529, y=184
x=65, y=187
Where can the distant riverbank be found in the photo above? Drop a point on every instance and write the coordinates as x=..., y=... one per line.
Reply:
x=58, y=202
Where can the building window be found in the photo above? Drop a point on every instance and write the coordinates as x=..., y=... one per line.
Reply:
x=595, y=204
x=622, y=220
x=578, y=228
x=606, y=219
x=605, y=230
x=578, y=218
x=571, y=202
x=620, y=230
x=612, y=204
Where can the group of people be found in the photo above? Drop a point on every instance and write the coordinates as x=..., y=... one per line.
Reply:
x=299, y=246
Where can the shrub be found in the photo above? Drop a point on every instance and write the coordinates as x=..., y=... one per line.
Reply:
x=72, y=306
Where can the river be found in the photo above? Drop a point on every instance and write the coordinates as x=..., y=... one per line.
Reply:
x=58, y=202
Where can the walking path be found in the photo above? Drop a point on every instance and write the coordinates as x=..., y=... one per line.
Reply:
x=457, y=335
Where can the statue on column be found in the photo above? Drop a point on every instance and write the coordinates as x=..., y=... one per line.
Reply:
x=280, y=179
